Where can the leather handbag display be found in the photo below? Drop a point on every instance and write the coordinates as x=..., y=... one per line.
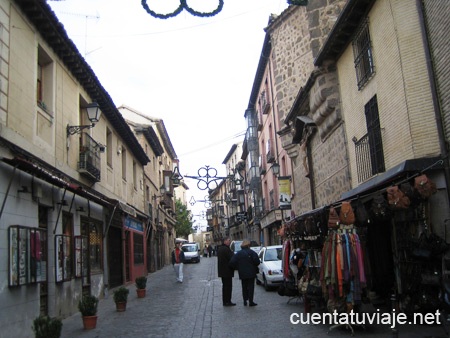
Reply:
x=424, y=186
x=347, y=216
x=333, y=218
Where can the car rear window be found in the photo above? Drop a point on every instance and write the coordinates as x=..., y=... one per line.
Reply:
x=188, y=248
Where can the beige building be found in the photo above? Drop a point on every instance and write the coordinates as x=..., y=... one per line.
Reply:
x=75, y=195
x=370, y=117
x=159, y=189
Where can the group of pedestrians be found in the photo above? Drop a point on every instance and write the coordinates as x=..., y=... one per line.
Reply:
x=245, y=261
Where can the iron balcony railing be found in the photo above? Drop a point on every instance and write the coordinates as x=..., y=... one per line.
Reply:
x=89, y=161
x=369, y=156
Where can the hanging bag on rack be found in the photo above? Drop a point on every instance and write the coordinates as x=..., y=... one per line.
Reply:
x=424, y=186
x=362, y=216
x=379, y=206
x=333, y=218
x=397, y=198
x=347, y=216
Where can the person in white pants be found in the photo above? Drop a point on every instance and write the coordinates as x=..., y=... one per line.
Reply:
x=178, y=261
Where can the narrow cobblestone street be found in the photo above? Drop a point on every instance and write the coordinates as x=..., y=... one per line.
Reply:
x=194, y=309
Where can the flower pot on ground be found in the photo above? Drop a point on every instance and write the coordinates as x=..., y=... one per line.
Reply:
x=120, y=298
x=141, y=285
x=88, y=308
x=46, y=327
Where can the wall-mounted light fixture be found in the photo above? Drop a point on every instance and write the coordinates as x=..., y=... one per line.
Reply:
x=162, y=190
x=93, y=112
x=275, y=168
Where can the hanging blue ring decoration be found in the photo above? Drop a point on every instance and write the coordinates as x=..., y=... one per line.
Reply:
x=183, y=5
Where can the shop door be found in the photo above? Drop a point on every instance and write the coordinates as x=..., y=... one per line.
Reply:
x=115, y=257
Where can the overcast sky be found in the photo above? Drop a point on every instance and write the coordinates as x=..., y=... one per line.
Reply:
x=195, y=73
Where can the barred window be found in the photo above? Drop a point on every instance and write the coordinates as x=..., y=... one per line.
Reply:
x=374, y=133
x=362, y=51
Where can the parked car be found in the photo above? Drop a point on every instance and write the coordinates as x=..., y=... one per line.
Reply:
x=191, y=252
x=235, y=246
x=270, y=272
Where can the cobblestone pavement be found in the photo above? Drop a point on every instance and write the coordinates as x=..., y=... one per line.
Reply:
x=194, y=309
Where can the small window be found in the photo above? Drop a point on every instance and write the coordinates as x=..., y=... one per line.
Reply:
x=109, y=147
x=134, y=175
x=362, y=51
x=124, y=164
x=44, y=81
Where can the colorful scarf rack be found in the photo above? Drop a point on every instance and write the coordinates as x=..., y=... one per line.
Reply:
x=342, y=270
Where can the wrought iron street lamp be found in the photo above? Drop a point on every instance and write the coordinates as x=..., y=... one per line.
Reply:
x=275, y=169
x=162, y=190
x=93, y=112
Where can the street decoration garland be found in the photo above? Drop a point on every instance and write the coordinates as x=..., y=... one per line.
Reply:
x=183, y=5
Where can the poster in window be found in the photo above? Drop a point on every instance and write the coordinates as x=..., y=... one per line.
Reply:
x=27, y=255
x=78, y=257
x=284, y=184
x=59, y=251
x=13, y=256
x=24, y=260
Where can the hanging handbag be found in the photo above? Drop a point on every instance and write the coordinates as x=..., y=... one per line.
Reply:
x=333, y=218
x=379, y=206
x=424, y=186
x=397, y=198
x=347, y=216
x=362, y=216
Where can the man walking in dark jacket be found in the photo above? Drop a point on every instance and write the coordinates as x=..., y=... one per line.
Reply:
x=224, y=255
x=246, y=261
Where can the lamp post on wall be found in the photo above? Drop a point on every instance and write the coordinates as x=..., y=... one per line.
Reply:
x=93, y=111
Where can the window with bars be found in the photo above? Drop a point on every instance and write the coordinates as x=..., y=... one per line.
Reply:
x=362, y=51
x=374, y=132
x=369, y=148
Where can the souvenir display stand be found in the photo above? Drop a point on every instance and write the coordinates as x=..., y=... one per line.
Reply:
x=374, y=252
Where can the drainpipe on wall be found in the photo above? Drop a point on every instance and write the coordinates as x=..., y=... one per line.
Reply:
x=435, y=99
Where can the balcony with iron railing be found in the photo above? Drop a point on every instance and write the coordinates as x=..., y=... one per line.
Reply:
x=369, y=156
x=89, y=160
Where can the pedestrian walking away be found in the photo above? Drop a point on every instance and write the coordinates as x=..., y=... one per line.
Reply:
x=178, y=261
x=246, y=262
x=224, y=254
x=210, y=249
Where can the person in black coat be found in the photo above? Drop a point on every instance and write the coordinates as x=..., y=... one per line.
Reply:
x=246, y=261
x=224, y=255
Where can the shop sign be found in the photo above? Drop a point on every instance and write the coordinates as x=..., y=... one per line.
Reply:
x=133, y=224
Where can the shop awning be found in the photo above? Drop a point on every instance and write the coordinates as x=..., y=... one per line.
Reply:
x=404, y=170
x=129, y=209
x=57, y=178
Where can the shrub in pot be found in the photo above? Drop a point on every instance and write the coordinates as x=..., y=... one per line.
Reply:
x=120, y=298
x=88, y=308
x=141, y=284
x=46, y=327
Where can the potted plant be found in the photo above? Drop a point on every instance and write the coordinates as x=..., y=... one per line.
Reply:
x=46, y=327
x=120, y=298
x=88, y=308
x=141, y=284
